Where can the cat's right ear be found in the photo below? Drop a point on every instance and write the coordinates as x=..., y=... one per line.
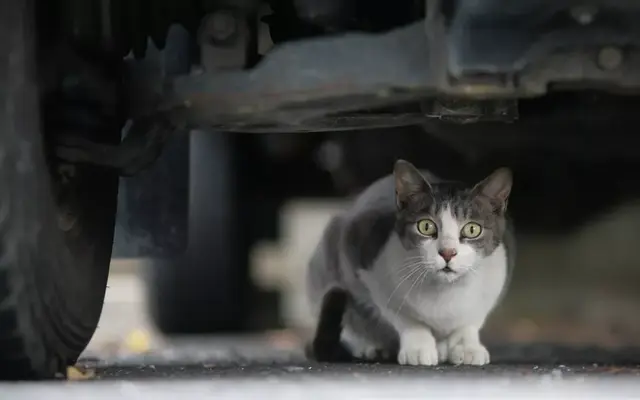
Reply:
x=409, y=182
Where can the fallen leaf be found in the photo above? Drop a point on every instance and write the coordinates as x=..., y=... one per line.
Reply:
x=77, y=374
x=138, y=341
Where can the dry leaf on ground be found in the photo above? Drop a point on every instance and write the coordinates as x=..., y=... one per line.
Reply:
x=80, y=374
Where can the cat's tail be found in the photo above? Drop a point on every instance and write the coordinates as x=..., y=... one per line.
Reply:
x=326, y=345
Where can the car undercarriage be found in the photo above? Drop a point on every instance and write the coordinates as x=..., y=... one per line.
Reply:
x=213, y=107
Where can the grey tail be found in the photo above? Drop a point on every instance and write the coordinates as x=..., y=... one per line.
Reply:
x=326, y=345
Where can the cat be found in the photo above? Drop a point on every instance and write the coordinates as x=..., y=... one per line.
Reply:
x=412, y=269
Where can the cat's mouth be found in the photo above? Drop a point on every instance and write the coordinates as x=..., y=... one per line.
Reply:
x=447, y=270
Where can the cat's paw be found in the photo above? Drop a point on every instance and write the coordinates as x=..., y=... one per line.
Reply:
x=365, y=352
x=417, y=347
x=469, y=355
x=362, y=348
x=418, y=355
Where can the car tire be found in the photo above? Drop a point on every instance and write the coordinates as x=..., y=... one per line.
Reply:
x=54, y=260
x=205, y=291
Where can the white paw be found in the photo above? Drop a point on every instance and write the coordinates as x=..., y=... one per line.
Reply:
x=443, y=351
x=469, y=355
x=417, y=347
x=423, y=354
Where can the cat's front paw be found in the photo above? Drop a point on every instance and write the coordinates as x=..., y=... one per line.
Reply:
x=419, y=355
x=417, y=347
x=475, y=354
x=362, y=348
x=368, y=352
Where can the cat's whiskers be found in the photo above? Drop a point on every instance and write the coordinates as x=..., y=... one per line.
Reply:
x=411, y=261
x=424, y=277
x=404, y=279
x=473, y=270
x=420, y=279
x=403, y=273
x=405, y=267
x=412, y=267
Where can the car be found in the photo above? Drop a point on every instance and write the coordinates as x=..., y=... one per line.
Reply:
x=247, y=103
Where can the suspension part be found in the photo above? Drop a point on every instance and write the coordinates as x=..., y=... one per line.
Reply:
x=124, y=26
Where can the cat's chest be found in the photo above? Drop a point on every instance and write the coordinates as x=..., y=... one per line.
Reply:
x=442, y=309
x=447, y=310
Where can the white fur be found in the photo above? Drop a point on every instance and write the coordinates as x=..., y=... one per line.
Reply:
x=437, y=315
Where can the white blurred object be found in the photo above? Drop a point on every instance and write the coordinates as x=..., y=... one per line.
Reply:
x=283, y=265
x=125, y=306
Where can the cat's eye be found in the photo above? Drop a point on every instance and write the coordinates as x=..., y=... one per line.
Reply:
x=471, y=230
x=427, y=227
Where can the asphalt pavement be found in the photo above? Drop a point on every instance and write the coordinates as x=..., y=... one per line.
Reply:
x=246, y=367
x=254, y=368
x=243, y=358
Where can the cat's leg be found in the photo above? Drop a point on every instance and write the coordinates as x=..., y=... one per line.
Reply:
x=326, y=345
x=367, y=336
x=465, y=347
x=360, y=346
x=417, y=344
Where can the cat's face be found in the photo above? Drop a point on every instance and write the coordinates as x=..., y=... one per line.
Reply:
x=451, y=226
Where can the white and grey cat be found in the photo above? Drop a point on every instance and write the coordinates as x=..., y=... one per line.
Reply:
x=423, y=263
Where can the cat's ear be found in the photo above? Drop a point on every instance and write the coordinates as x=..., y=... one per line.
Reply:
x=409, y=182
x=496, y=187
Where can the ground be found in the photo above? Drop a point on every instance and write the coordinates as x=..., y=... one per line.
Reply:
x=593, y=298
x=259, y=368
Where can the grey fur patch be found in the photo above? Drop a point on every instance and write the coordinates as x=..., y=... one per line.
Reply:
x=366, y=235
x=328, y=272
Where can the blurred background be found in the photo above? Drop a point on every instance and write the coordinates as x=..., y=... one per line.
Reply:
x=575, y=282
x=213, y=238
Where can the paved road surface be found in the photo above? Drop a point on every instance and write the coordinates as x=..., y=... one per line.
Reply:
x=253, y=369
x=314, y=388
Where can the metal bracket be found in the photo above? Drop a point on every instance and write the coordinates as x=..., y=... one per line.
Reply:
x=138, y=150
x=479, y=53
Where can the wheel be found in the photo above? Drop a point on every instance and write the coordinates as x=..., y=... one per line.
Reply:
x=198, y=281
x=205, y=291
x=56, y=221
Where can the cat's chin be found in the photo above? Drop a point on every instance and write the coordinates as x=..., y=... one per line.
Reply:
x=447, y=275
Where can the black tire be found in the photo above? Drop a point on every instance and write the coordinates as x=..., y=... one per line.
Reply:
x=52, y=284
x=201, y=287
x=206, y=290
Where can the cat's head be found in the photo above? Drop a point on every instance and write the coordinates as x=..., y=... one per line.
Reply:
x=452, y=225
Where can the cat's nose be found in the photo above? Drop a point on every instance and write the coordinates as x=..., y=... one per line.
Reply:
x=447, y=254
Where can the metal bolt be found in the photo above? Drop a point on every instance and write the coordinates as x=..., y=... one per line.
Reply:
x=222, y=25
x=610, y=58
x=66, y=221
x=584, y=14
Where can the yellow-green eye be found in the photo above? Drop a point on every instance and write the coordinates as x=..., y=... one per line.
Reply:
x=471, y=230
x=427, y=227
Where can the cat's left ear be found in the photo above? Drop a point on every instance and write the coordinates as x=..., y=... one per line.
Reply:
x=409, y=182
x=496, y=187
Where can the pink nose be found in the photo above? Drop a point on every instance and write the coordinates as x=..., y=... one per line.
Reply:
x=447, y=254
